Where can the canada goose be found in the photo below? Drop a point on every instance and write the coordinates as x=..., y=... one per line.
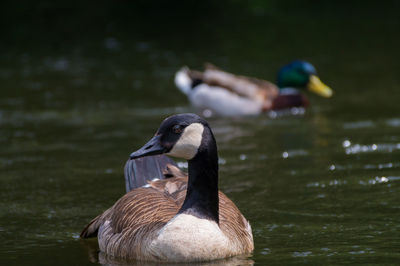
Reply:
x=178, y=219
x=227, y=94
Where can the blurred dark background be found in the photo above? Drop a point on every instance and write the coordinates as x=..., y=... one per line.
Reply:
x=135, y=40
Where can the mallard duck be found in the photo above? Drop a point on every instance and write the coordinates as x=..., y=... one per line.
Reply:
x=179, y=219
x=227, y=94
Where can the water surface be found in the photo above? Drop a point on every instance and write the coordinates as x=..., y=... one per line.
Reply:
x=79, y=95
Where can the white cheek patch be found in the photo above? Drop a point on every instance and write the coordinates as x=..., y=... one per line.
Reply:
x=187, y=145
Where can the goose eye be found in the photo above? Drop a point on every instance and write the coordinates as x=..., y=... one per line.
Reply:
x=177, y=129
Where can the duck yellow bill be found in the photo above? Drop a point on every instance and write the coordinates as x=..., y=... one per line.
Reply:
x=316, y=85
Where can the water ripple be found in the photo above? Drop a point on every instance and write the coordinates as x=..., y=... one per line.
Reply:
x=359, y=124
x=358, y=148
x=294, y=153
x=395, y=122
x=379, y=180
x=382, y=166
x=301, y=254
x=286, y=112
x=338, y=182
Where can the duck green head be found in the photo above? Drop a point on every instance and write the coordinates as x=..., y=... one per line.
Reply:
x=302, y=75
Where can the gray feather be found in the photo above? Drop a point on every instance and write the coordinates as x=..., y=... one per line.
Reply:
x=139, y=172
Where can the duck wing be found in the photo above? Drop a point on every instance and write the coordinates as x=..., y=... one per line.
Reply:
x=252, y=88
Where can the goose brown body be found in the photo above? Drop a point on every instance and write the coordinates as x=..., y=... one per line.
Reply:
x=129, y=228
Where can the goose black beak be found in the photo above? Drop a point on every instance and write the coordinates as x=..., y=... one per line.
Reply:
x=152, y=147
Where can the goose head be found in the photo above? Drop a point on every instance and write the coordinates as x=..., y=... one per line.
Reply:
x=179, y=136
x=302, y=75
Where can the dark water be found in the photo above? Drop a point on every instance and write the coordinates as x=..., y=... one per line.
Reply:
x=80, y=92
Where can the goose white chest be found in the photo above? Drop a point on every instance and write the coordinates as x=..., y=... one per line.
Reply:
x=189, y=238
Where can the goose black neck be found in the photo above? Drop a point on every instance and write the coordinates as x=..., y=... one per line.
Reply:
x=202, y=191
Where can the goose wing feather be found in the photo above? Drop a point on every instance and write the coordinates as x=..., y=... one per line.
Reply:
x=127, y=228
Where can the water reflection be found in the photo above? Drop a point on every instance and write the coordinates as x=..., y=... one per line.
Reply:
x=106, y=260
x=96, y=256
